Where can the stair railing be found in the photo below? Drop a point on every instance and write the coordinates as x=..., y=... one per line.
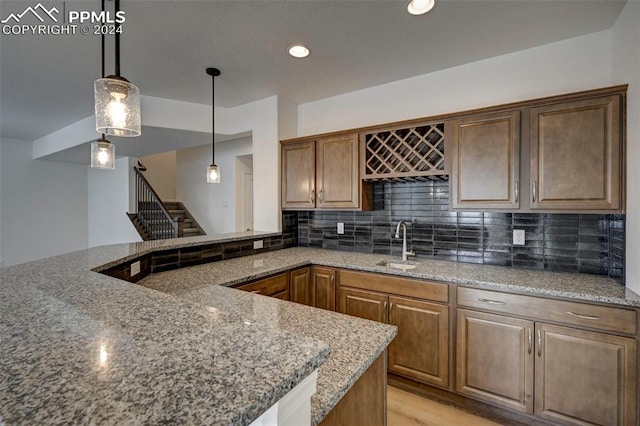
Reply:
x=152, y=212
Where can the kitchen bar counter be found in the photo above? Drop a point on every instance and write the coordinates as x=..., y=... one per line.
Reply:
x=79, y=347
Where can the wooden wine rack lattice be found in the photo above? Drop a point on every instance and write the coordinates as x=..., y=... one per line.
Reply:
x=409, y=154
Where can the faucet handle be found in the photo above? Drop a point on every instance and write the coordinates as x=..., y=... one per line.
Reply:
x=410, y=253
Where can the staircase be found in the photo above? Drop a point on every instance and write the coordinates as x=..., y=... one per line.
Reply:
x=190, y=227
x=157, y=220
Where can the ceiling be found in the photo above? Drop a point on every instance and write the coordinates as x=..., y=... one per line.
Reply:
x=46, y=82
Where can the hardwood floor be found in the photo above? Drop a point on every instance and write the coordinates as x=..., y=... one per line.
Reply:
x=407, y=409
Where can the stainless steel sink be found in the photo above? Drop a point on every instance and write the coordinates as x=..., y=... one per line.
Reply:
x=397, y=265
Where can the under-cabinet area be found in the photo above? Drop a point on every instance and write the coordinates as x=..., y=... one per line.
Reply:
x=563, y=153
x=564, y=361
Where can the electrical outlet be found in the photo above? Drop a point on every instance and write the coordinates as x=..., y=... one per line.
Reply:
x=135, y=269
x=258, y=244
x=340, y=228
x=518, y=237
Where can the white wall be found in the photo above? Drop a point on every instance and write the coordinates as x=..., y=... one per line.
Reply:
x=571, y=65
x=108, y=199
x=44, y=205
x=161, y=174
x=626, y=69
x=212, y=205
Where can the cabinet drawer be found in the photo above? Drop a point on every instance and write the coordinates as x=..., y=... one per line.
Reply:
x=582, y=314
x=269, y=286
x=420, y=289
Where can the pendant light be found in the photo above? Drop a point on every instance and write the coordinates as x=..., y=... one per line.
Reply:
x=213, y=174
x=103, y=152
x=117, y=101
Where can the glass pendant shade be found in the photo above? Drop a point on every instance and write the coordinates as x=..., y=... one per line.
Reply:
x=420, y=7
x=213, y=174
x=117, y=107
x=103, y=155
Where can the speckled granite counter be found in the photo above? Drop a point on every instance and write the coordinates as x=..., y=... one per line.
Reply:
x=78, y=347
x=591, y=288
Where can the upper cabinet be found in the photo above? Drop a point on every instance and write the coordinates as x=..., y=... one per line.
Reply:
x=576, y=155
x=322, y=174
x=553, y=155
x=485, y=166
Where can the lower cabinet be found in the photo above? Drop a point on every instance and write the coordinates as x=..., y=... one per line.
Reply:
x=562, y=374
x=314, y=286
x=276, y=286
x=495, y=359
x=420, y=351
x=585, y=377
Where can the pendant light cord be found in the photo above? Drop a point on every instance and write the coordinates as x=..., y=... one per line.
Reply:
x=213, y=120
x=117, y=2
x=102, y=53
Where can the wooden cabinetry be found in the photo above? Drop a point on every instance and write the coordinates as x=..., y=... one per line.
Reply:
x=276, y=286
x=314, y=286
x=420, y=351
x=299, y=287
x=571, y=158
x=563, y=374
x=576, y=155
x=323, y=288
x=323, y=174
x=585, y=377
x=495, y=359
x=485, y=165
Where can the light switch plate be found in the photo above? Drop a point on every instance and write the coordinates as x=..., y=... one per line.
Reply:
x=340, y=228
x=258, y=244
x=518, y=237
x=135, y=269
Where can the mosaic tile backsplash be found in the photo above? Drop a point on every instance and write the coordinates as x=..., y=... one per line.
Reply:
x=586, y=243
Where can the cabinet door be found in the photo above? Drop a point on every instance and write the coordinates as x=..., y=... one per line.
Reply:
x=485, y=164
x=298, y=175
x=300, y=286
x=323, y=287
x=337, y=177
x=364, y=304
x=495, y=359
x=575, y=155
x=585, y=377
x=276, y=286
x=421, y=349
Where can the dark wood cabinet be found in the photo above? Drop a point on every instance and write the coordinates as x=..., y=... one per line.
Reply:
x=364, y=304
x=585, y=377
x=323, y=288
x=421, y=349
x=323, y=174
x=276, y=286
x=485, y=161
x=300, y=288
x=576, y=157
x=298, y=184
x=495, y=358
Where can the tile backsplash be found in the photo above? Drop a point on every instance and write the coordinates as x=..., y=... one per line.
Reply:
x=587, y=243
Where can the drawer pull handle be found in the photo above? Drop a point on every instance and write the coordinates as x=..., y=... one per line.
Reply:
x=530, y=340
x=587, y=317
x=534, y=190
x=492, y=302
x=539, y=342
x=516, y=189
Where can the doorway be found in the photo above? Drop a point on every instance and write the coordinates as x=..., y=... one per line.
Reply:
x=244, y=193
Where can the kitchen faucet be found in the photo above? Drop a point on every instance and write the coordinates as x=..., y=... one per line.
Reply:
x=405, y=253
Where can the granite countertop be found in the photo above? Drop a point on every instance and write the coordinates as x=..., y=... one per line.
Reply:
x=585, y=287
x=79, y=347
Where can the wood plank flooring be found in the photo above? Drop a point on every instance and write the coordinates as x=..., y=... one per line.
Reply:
x=407, y=409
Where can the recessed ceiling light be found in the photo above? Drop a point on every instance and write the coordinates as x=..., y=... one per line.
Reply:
x=420, y=7
x=298, y=51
